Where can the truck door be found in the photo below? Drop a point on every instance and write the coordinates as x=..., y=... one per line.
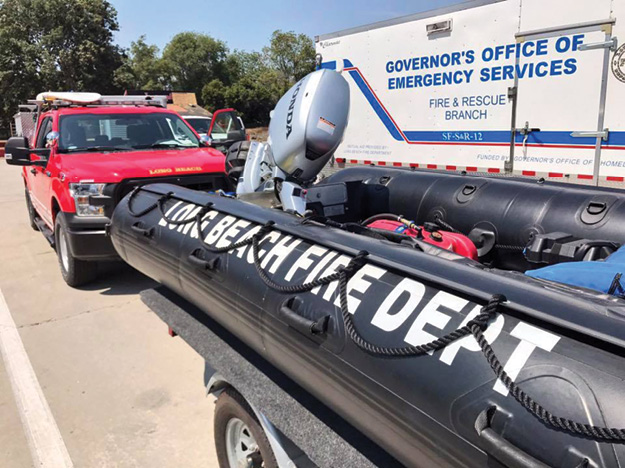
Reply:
x=226, y=127
x=560, y=87
x=39, y=180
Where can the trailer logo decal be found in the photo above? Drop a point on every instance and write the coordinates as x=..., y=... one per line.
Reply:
x=325, y=44
x=618, y=64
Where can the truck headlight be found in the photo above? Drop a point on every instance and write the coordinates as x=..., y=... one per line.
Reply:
x=81, y=194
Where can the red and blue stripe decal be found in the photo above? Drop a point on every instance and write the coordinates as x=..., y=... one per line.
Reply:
x=550, y=139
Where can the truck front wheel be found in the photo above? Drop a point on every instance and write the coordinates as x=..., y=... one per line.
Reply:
x=239, y=437
x=75, y=272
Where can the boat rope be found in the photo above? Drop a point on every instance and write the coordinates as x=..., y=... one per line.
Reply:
x=160, y=204
x=138, y=214
x=353, y=266
x=475, y=327
x=517, y=248
x=419, y=350
x=599, y=433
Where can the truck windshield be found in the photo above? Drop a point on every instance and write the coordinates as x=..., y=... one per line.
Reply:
x=200, y=125
x=124, y=132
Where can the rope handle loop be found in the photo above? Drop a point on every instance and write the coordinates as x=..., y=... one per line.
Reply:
x=355, y=264
x=157, y=204
x=488, y=312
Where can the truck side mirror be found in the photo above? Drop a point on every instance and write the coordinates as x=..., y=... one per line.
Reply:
x=206, y=140
x=52, y=139
x=17, y=153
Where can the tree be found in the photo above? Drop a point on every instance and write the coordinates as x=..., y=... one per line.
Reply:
x=142, y=67
x=193, y=59
x=55, y=44
x=214, y=95
x=245, y=64
x=255, y=81
x=254, y=91
x=292, y=55
x=254, y=97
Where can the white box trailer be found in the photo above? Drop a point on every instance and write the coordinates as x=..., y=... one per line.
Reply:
x=527, y=87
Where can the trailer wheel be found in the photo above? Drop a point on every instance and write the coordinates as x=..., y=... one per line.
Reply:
x=235, y=159
x=239, y=437
x=75, y=272
x=32, y=214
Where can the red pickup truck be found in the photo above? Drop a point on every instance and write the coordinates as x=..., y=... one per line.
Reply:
x=85, y=157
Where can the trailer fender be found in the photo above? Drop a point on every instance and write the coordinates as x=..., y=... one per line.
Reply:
x=286, y=452
x=215, y=383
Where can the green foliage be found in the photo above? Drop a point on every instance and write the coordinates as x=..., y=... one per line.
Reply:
x=191, y=60
x=258, y=80
x=55, y=44
x=254, y=97
x=254, y=90
x=214, y=95
x=292, y=55
x=142, y=68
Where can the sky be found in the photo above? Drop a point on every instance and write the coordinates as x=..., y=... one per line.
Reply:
x=247, y=24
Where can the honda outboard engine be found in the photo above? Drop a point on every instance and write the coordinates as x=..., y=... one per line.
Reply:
x=306, y=127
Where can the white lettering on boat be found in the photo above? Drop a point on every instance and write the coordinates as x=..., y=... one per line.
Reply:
x=431, y=315
x=531, y=337
x=404, y=300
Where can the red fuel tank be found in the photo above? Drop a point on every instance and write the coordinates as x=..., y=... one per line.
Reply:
x=452, y=241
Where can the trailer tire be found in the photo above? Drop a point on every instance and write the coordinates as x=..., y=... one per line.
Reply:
x=32, y=214
x=234, y=415
x=75, y=272
x=235, y=159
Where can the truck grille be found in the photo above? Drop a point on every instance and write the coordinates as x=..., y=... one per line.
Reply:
x=201, y=182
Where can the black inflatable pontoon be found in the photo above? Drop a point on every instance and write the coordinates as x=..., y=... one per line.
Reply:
x=441, y=359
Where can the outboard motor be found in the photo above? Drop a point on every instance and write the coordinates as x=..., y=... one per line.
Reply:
x=306, y=127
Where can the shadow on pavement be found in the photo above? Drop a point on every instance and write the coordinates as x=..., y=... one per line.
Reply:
x=118, y=279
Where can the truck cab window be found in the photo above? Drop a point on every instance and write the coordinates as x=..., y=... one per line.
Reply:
x=180, y=130
x=199, y=124
x=44, y=129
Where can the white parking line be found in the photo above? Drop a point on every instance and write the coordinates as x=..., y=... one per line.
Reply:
x=44, y=438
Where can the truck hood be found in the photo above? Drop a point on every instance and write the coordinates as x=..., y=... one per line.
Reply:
x=116, y=166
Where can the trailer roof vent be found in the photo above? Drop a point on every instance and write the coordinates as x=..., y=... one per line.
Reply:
x=441, y=26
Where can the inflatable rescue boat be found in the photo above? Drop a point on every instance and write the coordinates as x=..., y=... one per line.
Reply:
x=453, y=319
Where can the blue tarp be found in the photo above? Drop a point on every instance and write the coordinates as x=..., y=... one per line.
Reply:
x=601, y=276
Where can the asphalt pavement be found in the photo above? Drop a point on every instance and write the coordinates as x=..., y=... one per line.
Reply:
x=121, y=391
